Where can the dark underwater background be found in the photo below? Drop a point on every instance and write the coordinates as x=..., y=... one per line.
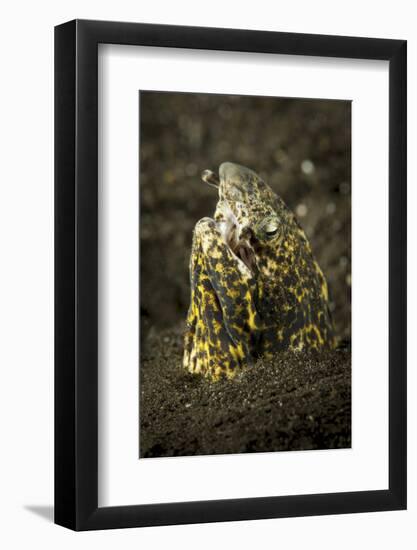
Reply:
x=302, y=148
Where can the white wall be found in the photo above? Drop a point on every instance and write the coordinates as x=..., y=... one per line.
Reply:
x=26, y=286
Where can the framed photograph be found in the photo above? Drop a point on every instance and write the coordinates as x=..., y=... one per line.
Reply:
x=230, y=254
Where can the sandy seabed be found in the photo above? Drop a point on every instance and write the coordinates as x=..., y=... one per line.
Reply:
x=297, y=401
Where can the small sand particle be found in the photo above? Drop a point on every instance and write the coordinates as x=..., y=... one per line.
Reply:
x=301, y=210
x=343, y=262
x=307, y=167
x=191, y=169
x=344, y=188
x=330, y=208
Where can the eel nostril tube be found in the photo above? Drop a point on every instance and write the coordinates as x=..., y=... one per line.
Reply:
x=210, y=177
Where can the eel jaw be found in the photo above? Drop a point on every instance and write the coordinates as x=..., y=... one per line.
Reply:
x=233, y=233
x=235, y=236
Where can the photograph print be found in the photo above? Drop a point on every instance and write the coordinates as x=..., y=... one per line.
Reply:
x=245, y=274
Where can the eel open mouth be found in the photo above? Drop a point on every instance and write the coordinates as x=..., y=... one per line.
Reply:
x=237, y=239
x=241, y=247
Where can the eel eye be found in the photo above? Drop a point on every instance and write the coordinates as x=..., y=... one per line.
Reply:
x=269, y=228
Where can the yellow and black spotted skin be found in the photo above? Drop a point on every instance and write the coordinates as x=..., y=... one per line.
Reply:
x=256, y=288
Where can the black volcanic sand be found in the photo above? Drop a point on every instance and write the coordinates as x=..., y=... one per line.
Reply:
x=294, y=402
x=302, y=149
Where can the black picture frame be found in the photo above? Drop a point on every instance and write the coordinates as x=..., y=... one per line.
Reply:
x=76, y=272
